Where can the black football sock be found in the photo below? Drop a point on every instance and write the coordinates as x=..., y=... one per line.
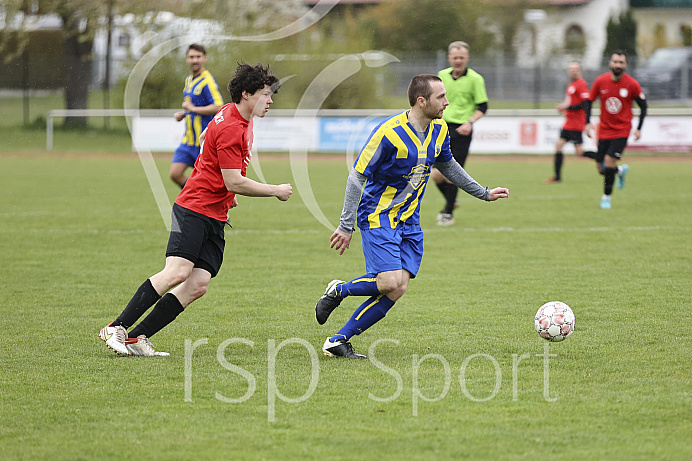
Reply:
x=144, y=298
x=590, y=154
x=558, y=165
x=441, y=186
x=165, y=311
x=609, y=180
x=450, y=194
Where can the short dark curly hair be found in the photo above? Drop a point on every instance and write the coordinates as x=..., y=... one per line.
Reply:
x=251, y=79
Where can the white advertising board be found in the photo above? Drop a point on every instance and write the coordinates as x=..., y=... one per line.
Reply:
x=156, y=134
x=492, y=135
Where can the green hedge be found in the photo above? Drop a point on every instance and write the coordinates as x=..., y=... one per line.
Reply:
x=42, y=65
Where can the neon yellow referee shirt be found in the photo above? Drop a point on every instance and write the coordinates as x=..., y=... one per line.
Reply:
x=464, y=94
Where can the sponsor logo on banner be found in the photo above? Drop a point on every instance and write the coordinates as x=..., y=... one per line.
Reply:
x=528, y=133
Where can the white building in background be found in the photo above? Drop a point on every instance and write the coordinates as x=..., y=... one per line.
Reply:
x=661, y=23
x=132, y=37
x=581, y=25
x=568, y=21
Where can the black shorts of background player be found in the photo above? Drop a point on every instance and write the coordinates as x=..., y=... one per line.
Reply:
x=576, y=138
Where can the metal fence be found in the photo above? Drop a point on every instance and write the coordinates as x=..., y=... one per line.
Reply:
x=506, y=79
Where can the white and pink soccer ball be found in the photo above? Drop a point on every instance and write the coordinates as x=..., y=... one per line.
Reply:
x=554, y=321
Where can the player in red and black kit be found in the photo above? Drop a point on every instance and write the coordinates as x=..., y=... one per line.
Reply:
x=617, y=90
x=196, y=243
x=573, y=107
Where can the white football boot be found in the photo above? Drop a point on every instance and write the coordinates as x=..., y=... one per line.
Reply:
x=115, y=338
x=142, y=346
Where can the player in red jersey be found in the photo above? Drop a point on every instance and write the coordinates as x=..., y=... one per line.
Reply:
x=196, y=243
x=617, y=90
x=573, y=107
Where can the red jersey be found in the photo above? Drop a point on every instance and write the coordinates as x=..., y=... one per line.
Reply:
x=577, y=92
x=225, y=147
x=616, y=104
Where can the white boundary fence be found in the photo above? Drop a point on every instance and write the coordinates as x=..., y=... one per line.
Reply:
x=503, y=131
x=52, y=114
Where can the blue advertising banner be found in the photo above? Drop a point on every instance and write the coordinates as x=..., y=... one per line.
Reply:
x=345, y=134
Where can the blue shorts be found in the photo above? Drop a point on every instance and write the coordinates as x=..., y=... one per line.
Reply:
x=186, y=154
x=393, y=249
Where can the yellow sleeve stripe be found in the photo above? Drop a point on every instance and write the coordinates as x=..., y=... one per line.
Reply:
x=368, y=152
x=371, y=147
x=385, y=201
x=213, y=88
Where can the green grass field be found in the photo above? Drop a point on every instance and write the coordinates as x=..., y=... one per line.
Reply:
x=80, y=233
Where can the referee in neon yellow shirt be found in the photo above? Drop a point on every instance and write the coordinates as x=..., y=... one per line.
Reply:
x=468, y=102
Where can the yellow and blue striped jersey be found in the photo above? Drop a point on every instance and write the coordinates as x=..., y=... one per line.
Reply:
x=202, y=91
x=397, y=161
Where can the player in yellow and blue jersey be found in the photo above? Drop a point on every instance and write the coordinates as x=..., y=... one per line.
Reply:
x=383, y=194
x=201, y=101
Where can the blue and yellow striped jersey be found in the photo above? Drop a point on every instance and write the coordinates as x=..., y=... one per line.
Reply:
x=397, y=162
x=202, y=91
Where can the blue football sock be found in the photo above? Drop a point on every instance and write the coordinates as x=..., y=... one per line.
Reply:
x=365, y=285
x=369, y=313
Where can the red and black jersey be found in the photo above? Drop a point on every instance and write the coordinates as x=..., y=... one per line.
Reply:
x=226, y=146
x=616, y=104
x=577, y=92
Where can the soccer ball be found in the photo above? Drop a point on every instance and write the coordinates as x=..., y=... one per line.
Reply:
x=554, y=321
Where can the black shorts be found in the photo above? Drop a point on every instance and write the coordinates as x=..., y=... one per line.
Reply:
x=197, y=238
x=574, y=137
x=459, y=144
x=611, y=147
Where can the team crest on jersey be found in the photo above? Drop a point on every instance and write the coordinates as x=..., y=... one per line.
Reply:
x=438, y=149
x=417, y=176
x=613, y=105
x=623, y=92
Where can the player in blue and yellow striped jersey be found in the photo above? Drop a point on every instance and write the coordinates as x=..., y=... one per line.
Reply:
x=201, y=101
x=383, y=193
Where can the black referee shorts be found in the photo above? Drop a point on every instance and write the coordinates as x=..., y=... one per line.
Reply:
x=459, y=144
x=197, y=238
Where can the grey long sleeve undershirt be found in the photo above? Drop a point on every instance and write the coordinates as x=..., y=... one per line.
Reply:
x=354, y=188
x=460, y=178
